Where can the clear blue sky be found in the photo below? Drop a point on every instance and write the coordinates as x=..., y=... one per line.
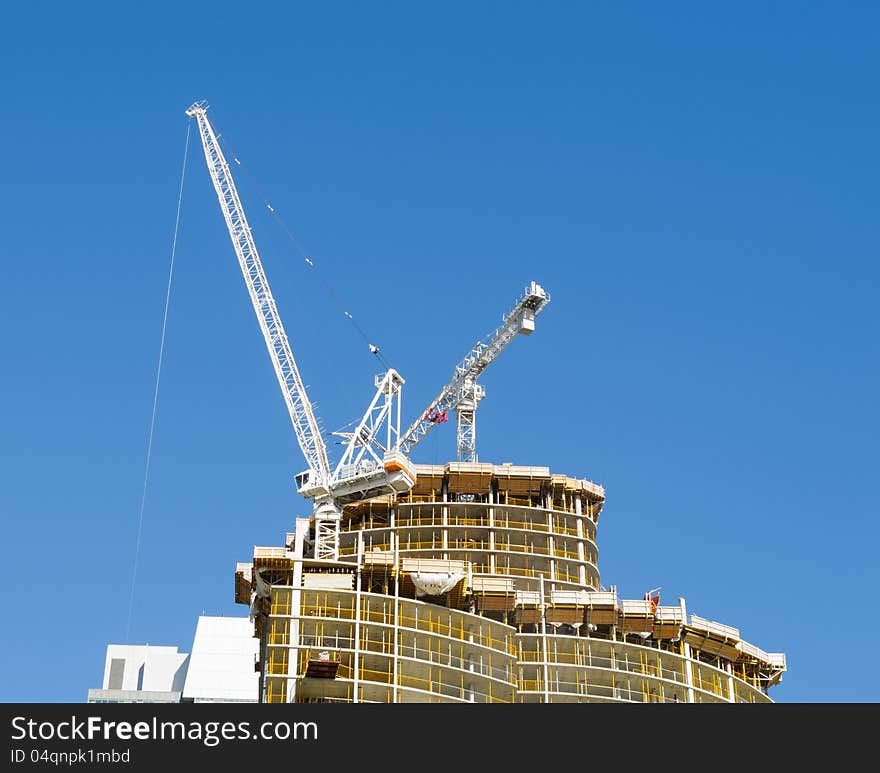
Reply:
x=695, y=186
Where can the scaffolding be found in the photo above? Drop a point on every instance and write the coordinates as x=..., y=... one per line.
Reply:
x=480, y=585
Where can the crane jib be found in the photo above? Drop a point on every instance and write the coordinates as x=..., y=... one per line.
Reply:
x=462, y=394
x=299, y=407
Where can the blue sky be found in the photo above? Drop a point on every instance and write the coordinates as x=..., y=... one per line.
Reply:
x=695, y=186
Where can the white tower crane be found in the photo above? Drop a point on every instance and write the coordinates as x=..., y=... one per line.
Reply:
x=369, y=466
x=463, y=393
x=373, y=462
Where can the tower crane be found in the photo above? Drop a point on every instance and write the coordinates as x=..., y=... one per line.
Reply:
x=463, y=394
x=375, y=459
x=371, y=463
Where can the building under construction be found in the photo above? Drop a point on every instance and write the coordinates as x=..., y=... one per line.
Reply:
x=481, y=584
x=465, y=582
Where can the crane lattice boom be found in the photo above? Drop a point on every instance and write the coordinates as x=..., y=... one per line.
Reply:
x=462, y=393
x=298, y=405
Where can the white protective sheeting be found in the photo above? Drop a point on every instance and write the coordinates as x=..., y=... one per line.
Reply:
x=335, y=581
x=435, y=583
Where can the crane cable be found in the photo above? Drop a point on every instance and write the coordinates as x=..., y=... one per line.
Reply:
x=156, y=389
x=309, y=262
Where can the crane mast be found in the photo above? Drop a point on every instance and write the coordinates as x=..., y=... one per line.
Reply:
x=463, y=394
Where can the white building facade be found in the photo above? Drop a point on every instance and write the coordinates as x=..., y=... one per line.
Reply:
x=220, y=668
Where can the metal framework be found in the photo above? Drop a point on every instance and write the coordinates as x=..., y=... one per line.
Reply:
x=383, y=411
x=463, y=393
